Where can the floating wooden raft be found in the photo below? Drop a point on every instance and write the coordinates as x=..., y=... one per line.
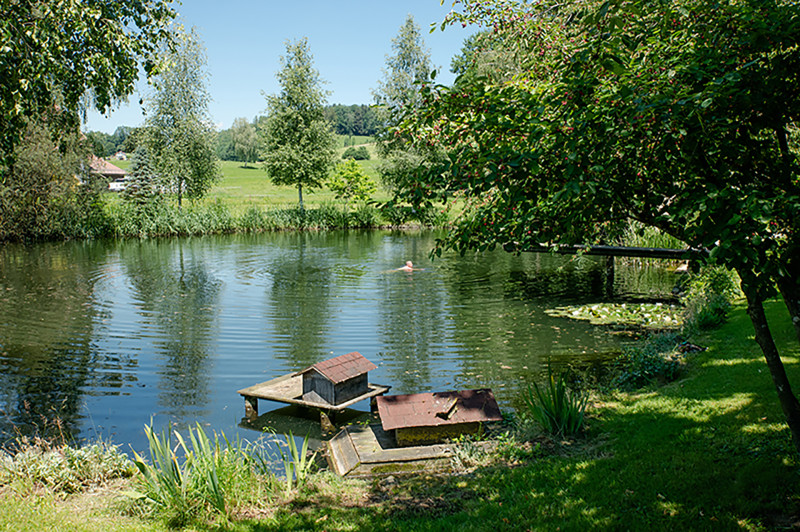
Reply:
x=289, y=389
x=369, y=450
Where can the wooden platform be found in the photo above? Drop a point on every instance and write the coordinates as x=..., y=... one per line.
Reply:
x=369, y=450
x=289, y=389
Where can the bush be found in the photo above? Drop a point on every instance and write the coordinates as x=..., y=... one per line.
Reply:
x=708, y=298
x=656, y=359
x=64, y=468
x=365, y=216
x=359, y=154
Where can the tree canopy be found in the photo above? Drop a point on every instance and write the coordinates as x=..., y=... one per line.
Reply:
x=299, y=143
x=679, y=115
x=54, y=53
x=245, y=140
x=178, y=131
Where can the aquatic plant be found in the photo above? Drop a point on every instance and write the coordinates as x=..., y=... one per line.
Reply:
x=559, y=410
x=186, y=480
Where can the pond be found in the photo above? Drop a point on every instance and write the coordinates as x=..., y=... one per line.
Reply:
x=98, y=338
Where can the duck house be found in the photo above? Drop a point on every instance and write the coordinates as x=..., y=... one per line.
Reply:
x=337, y=380
x=431, y=418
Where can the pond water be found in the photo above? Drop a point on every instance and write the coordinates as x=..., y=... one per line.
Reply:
x=105, y=336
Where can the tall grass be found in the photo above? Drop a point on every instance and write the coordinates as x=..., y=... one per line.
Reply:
x=161, y=219
x=297, y=463
x=187, y=480
x=559, y=410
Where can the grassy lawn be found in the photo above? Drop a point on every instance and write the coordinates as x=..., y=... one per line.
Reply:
x=245, y=186
x=707, y=452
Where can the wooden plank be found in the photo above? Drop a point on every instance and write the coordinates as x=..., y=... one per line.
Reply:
x=289, y=389
x=342, y=454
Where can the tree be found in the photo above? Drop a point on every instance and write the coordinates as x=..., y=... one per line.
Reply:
x=53, y=53
x=245, y=140
x=407, y=71
x=48, y=192
x=142, y=188
x=351, y=183
x=679, y=115
x=298, y=140
x=179, y=135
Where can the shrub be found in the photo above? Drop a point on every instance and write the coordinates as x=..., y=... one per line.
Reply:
x=359, y=154
x=365, y=216
x=656, y=359
x=64, y=468
x=559, y=410
x=708, y=298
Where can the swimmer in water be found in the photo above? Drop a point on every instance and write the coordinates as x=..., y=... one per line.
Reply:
x=409, y=267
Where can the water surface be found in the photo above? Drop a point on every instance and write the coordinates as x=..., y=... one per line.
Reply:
x=104, y=336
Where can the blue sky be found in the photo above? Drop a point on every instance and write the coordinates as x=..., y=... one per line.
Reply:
x=245, y=39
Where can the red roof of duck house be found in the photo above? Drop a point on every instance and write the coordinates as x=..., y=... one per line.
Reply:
x=343, y=367
x=435, y=409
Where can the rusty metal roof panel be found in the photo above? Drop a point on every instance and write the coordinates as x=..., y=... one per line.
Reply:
x=343, y=367
x=439, y=408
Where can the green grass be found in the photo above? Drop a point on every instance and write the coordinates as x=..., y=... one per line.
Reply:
x=708, y=452
x=242, y=187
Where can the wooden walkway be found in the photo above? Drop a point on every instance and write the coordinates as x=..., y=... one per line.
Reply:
x=369, y=450
x=289, y=389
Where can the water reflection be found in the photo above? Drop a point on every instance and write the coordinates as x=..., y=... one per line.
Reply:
x=49, y=316
x=105, y=335
x=177, y=299
x=299, y=299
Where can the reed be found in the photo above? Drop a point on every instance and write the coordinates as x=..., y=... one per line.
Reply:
x=559, y=410
x=190, y=478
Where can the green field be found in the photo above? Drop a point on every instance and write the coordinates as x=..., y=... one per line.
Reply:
x=245, y=186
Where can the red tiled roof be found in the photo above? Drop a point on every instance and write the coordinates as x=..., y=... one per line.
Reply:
x=343, y=367
x=103, y=167
x=421, y=409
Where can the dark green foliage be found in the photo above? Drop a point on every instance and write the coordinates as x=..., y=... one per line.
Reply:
x=359, y=120
x=709, y=297
x=656, y=359
x=48, y=192
x=142, y=188
x=55, y=53
x=559, y=410
x=225, y=148
x=359, y=154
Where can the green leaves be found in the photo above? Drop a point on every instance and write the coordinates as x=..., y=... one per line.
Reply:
x=299, y=143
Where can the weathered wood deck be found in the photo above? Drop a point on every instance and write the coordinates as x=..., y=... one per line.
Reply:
x=289, y=389
x=369, y=450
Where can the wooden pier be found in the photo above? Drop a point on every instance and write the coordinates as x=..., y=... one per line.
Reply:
x=369, y=451
x=289, y=389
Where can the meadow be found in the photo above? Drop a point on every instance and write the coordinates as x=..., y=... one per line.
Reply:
x=244, y=186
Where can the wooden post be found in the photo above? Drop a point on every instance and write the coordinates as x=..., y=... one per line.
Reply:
x=609, y=276
x=250, y=407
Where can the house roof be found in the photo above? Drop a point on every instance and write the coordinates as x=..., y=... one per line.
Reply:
x=435, y=409
x=103, y=167
x=343, y=367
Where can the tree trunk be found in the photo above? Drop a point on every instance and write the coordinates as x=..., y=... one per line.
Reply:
x=755, y=309
x=789, y=286
x=300, y=196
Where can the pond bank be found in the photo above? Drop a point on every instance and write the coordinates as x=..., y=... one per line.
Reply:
x=709, y=451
